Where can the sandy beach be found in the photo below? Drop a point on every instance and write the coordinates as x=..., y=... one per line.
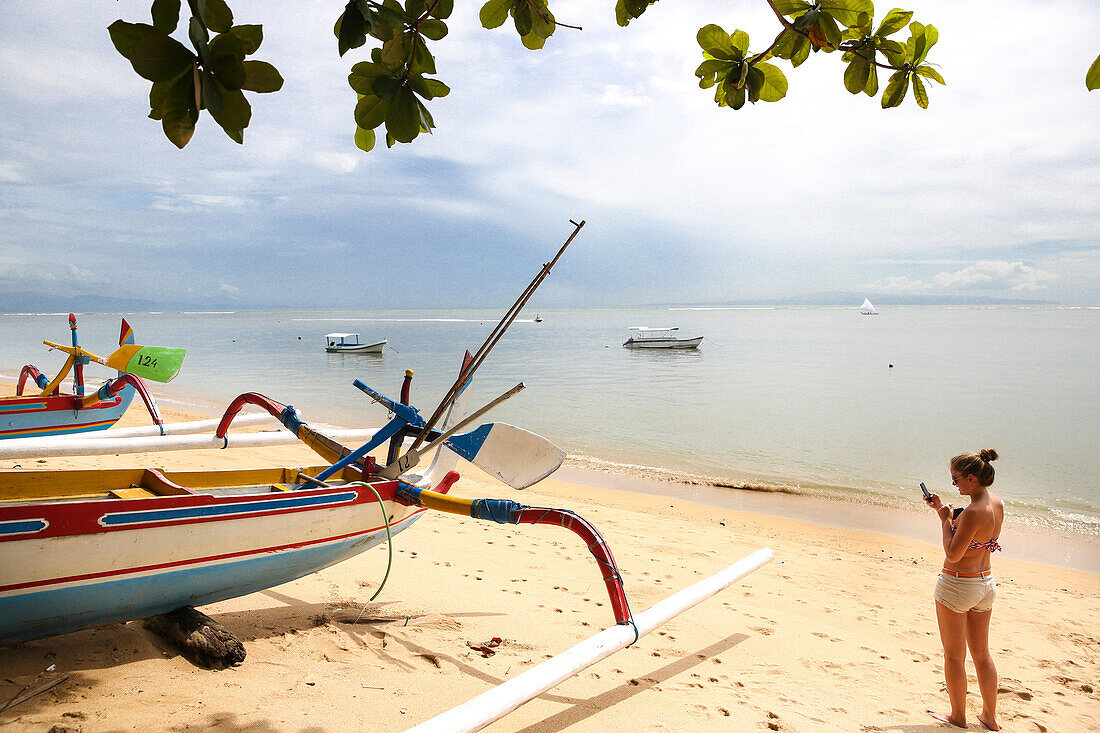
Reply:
x=837, y=633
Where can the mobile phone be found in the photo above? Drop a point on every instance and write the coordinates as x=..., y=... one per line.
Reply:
x=927, y=493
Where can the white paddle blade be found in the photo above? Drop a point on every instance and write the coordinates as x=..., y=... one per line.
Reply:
x=516, y=456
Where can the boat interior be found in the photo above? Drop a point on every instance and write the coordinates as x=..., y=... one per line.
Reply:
x=141, y=483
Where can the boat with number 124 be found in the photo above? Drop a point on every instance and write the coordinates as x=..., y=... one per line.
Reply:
x=46, y=410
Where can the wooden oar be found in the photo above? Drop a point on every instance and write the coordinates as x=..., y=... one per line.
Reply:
x=515, y=456
x=159, y=363
x=412, y=457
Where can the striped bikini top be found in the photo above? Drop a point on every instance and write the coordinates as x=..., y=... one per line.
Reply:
x=991, y=545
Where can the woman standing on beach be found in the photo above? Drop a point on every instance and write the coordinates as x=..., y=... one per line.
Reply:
x=965, y=589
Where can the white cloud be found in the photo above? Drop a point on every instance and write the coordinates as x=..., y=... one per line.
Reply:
x=986, y=275
x=11, y=171
x=1015, y=276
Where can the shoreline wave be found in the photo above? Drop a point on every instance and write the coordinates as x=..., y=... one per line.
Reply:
x=1040, y=517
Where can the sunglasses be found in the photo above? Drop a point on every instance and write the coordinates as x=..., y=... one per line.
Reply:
x=956, y=481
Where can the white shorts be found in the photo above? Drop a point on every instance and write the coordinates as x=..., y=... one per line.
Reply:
x=965, y=594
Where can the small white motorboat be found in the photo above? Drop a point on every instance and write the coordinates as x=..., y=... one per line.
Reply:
x=644, y=337
x=350, y=343
x=867, y=309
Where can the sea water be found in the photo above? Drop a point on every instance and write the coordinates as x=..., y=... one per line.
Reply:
x=811, y=400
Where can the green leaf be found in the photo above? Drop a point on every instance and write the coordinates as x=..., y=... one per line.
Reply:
x=443, y=9
x=395, y=50
x=251, y=37
x=871, y=89
x=533, y=41
x=166, y=15
x=736, y=98
x=754, y=80
x=427, y=124
x=157, y=94
x=543, y=26
x=179, y=113
x=351, y=30
x=235, y=112
x=370, y=112
x=712, y=38
x=919, y=92
x=894, y=21
x=229, y=43
x=262, y=77
x=855, y=76
x=433, y=29
x=774, y=87
x=200, y=38
x=829, y=27
x=929, y=73
x=386, y=87
x=1092, y=78
x=364, y=139
x=160, y=58
x=896, y=53
x=216, y=15
x=848, y=11
x=363, y=74
x=740, y=40
x=428, y=88
x=522, y=16
x=895, y=89
x=422, y=61
x=801, y=51
x=125, y=35
x=229, y=69
x=403, y=117
x=915, y=45
x=790, y=7
x=495, y=12
x=415, y=8
x=931, y=35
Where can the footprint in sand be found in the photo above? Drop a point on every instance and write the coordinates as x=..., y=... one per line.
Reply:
x=917, y=656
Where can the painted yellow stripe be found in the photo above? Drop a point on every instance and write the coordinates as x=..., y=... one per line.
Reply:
x=446, y=503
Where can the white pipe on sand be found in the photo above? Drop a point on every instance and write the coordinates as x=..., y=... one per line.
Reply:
x=494, y=704
x=105, y=446
x=152, y=431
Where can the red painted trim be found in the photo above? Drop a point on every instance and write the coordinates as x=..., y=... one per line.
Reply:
x=198, y=560
x=82, y=517
x=54, y=402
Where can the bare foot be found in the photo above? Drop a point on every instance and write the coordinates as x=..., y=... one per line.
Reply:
x=991, y=725
x=946, y=719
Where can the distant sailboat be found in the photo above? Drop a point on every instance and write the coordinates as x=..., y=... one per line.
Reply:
x=867, y=309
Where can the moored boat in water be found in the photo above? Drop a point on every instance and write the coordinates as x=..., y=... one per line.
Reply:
x=350, y=343
x=644, y=337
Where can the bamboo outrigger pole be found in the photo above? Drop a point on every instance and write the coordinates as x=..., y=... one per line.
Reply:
x=468, y=372
x=489, y=706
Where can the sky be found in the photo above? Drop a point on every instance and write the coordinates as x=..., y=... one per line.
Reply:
x=994, y=191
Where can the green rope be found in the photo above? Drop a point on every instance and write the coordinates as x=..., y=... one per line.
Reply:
x=389, y=541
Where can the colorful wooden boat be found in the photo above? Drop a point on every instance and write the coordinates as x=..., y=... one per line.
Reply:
x=86, y=547
x=49, y=412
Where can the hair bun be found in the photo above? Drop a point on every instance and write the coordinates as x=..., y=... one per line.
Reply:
x=988, y=454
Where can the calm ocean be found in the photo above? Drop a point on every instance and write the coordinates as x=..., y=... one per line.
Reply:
x=819, y=400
